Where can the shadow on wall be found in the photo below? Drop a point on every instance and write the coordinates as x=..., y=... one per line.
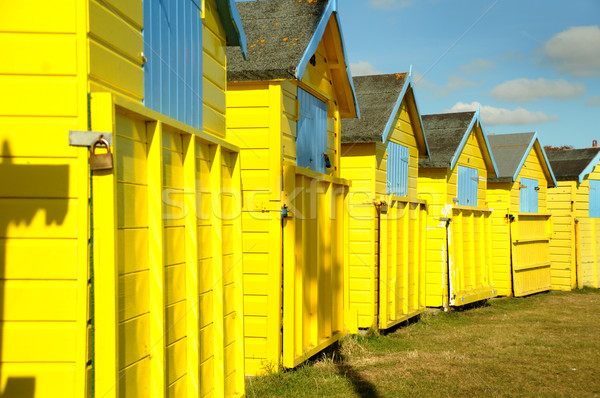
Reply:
x=19, y=205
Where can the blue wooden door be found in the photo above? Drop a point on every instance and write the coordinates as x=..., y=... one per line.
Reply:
x=311, y=138
x=468, y=182
x=397, y=169
x=528, y=195
x=594, y=198
x=173, y=49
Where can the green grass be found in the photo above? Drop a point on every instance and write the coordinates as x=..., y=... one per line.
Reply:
x=546, y=345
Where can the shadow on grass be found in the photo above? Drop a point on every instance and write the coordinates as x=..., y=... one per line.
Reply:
x=362, y=387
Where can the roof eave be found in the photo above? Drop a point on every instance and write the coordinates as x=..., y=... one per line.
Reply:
x=524, y=157
x=548, y=165
x=232, y=23
x=463, y=142
x=385, y=135
x=589, y=168
x=408, y=83
x=314, y=43
x=427, y=152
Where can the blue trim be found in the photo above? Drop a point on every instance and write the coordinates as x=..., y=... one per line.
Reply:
x=390, y=122
x=315, y=39
x=489, y=150
x=531, y=144
x=314, y=43
x=524, y=158
x=410, y=80
x=589, y=168
x=339, y=24
x=388, y=127
x=232, y=23
x=463, y=142
x=547, y=162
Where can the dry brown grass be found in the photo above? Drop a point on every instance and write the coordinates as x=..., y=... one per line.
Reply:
x=547, y=345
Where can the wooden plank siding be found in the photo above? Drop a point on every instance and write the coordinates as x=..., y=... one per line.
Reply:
x=438, y=186
x=150, y=335
x=262, y=120
x=574, y=247
x=366, y=165
x=44, y=219
x=504, y=198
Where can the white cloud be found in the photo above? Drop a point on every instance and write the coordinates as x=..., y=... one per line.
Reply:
x=575, y=51
x=534, y=90
x=363, y=68
x=491, y=116
x=389, y=4
x=594, y=101
x=453, y=84
x=477, y=65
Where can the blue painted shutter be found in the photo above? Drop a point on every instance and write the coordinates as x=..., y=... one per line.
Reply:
x=397, y=169
x=528, y=195
x=311, y=138
x=173, y=49
x=468, y=182
x=595, y=198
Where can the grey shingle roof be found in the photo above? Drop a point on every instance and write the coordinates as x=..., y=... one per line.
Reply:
x=278, y=33
x=568, y=164
x=377, y=96
x=444, y=133
x=508, y=151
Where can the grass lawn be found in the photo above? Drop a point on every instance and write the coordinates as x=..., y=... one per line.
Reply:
x=546, y=345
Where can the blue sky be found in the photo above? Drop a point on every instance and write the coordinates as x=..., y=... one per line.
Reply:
x=531, y=65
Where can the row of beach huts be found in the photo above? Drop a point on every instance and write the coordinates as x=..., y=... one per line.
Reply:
x=258, y=203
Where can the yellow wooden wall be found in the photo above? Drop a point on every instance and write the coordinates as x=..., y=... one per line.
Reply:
x=214, y=69
x=176, y=327
x=504, y=198
x=115, y=46
x=562, y=204
x=261, y=120
x=359, y=163
x=432, y=189
x=44, y=217
x=58, y=53
x=366, y=165
x=575, y=261
x=589, y=231
x=499, y=197
x=255, y=128
x=439, y=187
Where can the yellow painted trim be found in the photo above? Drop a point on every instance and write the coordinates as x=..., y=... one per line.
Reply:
x=81, y=375
x=105, y=259
x=191, y=259
x=318, y=176
x=238, y=275
x=217, y=266
x=275, y=149
x=130, y=107
x=476, y=295
x=156, y=261
x=319, y=347
x=403, y=318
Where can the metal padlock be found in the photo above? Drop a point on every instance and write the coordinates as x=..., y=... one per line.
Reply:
x=102, y=161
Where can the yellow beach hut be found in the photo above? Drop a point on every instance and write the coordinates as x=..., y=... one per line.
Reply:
x=112, y=283
x=521, y=225
x=575, y=208
x=454, y=183
x=284, y=107
x=387, y=221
